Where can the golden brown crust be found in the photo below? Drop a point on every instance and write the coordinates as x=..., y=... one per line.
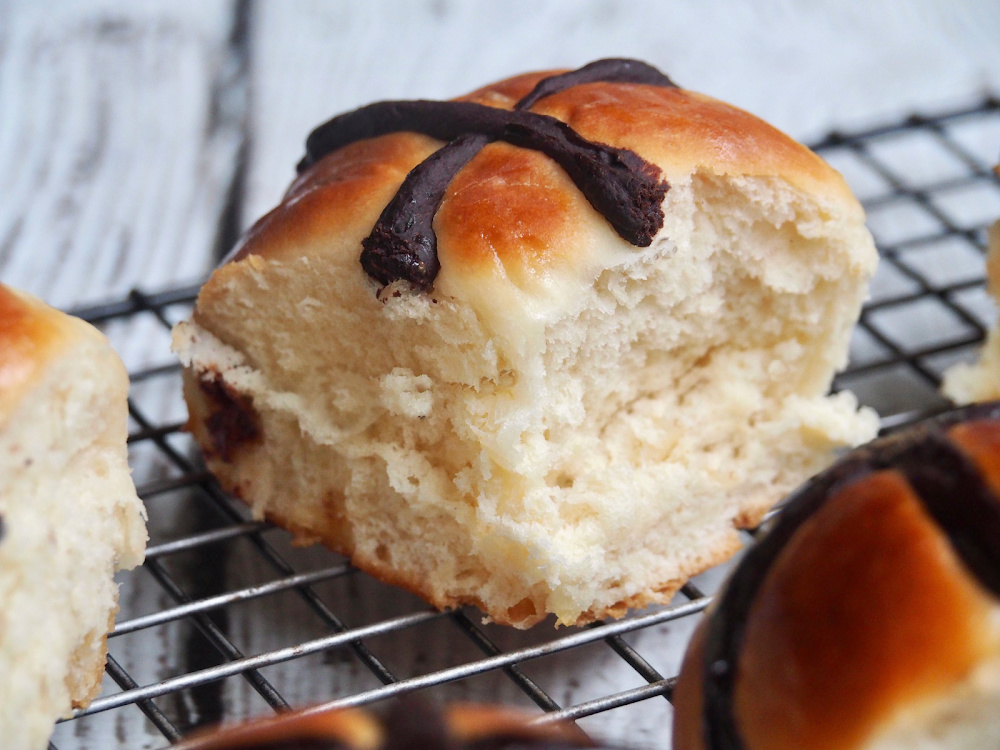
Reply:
x=353, y=728
x=356, y=729
x=512, y=208
x=676, y=129
x=869, y=606
x=688, y=694
x=87, y=684
x=680, y=131
x=30, y=332
x=867, y=609
x=343, y=193
x=993, y=259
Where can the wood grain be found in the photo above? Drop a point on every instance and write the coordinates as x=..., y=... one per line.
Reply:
x=807, y=66
x=137, y=139
x=116, y=164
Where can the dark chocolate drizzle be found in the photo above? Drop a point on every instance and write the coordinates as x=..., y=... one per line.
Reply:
x=623, y=187
x=938, y=471
x=403, y=245
x=609, y=70
x=618, y=182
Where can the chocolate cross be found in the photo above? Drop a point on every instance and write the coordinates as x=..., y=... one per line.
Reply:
x=626, y=189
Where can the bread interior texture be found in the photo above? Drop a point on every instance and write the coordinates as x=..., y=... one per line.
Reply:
x=577, y=451
x=71, y=519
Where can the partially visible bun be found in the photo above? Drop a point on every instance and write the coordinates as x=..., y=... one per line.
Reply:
x=565, y=423
x=69, y=514
x=415, y=724
x=869, y=615
x=967, y=383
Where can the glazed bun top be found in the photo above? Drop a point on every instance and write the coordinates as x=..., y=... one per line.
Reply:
x=869, y=615
x=31, y=334
x=513, y=215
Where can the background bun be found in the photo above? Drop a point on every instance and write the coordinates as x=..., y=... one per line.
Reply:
x=869, y=616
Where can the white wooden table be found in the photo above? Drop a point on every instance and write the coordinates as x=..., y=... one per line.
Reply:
x=138, y=138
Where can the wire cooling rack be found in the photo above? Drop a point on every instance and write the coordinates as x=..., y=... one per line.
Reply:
x=226, y=619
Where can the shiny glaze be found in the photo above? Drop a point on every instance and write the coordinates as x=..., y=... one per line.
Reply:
x=941, y=460
x=623, y=187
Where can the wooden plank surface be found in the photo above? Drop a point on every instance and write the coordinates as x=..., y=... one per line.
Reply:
x=117, y=143
x=137, y=138
x=806, y=66
x=122, y=122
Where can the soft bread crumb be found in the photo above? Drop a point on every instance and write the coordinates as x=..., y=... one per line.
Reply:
x=575, y=452
x=71, y=519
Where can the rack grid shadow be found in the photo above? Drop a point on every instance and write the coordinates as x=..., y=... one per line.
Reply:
x=227, y=619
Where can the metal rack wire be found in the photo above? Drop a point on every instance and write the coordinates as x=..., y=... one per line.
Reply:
x=185, y=650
